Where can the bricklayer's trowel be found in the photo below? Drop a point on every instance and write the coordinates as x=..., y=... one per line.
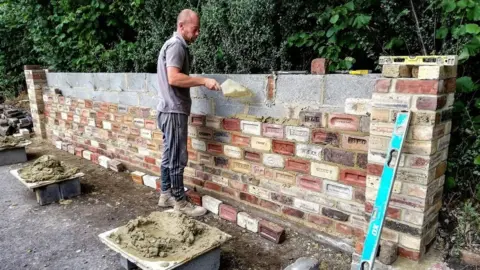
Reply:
x=233, y=89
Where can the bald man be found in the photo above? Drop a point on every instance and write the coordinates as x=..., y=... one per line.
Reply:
x=173, y=70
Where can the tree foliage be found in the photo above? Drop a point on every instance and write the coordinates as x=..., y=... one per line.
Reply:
x=254, y=36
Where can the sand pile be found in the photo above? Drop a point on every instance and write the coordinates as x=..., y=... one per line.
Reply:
x=10, y=142
x=46, y=168
x=166, y=236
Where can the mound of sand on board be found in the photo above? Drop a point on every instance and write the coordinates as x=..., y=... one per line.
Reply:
x=166, y=236
x=46, y=168
x=10, y=142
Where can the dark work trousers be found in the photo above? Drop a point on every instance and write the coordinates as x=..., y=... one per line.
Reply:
x=174, y=159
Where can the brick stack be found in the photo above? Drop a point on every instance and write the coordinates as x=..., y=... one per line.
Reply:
x=427, y=91
x=36, y=80
x=311, y=171
x=105, y=133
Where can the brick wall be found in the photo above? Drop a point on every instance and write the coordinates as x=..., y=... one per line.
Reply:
x=319, y=169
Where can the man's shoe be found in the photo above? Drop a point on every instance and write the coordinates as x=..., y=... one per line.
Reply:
x=189, y=209
x=166, y=199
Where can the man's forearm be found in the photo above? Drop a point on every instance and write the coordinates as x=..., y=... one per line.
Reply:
x=185, y=81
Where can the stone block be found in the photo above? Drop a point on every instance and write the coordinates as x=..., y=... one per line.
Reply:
x=250, y=127
x=248, y=222
x=211, y=204
x=337, y=190
x=324, y=171
x=298, y=134
x=397, y=71
x=273, y=160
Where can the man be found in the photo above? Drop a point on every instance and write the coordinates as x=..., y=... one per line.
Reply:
x=173, y=69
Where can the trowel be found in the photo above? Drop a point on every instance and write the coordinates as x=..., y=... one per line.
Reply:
x=233, y=89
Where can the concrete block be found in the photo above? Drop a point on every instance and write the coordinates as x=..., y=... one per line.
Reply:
x=69, y=188
x=144, y=99
x=339, y=87
x=117, y=82
x=305, y=90
x=47, y=194
x=104, y=96
x=136, y=82
x=13, y=156
x=151, y=81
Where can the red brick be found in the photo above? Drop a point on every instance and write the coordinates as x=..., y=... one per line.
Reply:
x=358, y=232
x=88, y=104
x=203, y=176
x=283, y=147
x=414, y=86
x=359, y=247
x=143, y=112
x=344, y=229
x=79, y=151
x=391, y=212
x=194, y=197
x=353, y=177
x=137, y=179
x=231, y=124
x=293, y=212
x=409, y=254
x=319, y=66
x=150, y=160
x=270, y=88
x=375, y=169
x=228, y=212
x=382, y=85
x=270, y=205
x=104, y=107
x=362, y=160
x=339, y=156
x=450, y=85
x=283, y=199
x=324, y=137
x=94, y=157
x=197, y=120
x=212, y=186
x=214, y=148
x=319, y=220
x=220, y=162
x=240, y=140
x=431, y=103
x=135, y=131
x=344, y=122
x=309, y=182
x=297, y=165
x=252, y=156
x=92, y=149
x=238, y=185
x=248, y=197
x=150, y=124
x=193, y=181
x=230, y=191
x=271, y=231
x=273, y=131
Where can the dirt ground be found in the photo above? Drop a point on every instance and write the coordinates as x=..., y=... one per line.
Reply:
x=65, y=236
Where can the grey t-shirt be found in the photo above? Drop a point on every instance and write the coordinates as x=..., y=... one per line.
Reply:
x=174, y=53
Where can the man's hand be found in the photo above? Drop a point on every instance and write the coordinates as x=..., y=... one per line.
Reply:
x=212, y=84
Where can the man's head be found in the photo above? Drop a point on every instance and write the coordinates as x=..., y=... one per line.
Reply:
x=188, y=25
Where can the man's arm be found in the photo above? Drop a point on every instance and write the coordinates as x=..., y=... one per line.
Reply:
x=179, y=79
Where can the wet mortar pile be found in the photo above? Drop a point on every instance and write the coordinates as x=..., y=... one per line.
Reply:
x=46, y=168
x=166, y=236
